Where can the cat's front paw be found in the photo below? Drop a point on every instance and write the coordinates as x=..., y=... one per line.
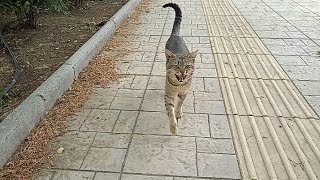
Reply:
x=173, y=129
x=179, y=114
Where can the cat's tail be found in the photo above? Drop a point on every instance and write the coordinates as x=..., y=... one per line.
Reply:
x=177, y=20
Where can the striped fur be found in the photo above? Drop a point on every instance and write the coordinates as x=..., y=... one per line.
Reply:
x=177, y=20
x=179, y=71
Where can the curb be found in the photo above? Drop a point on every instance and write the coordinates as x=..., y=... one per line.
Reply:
x=19, y=123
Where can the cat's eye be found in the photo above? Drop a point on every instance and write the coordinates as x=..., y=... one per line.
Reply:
x=188, y=66
x=176, y=67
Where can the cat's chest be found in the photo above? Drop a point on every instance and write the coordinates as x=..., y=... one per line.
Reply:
x=179, y=88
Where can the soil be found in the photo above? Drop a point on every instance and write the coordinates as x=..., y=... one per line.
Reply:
x=42, y=51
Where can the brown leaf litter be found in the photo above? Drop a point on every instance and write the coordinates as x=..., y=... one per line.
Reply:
x=35, y=151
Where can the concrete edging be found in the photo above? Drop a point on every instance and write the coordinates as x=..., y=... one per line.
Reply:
x=19, y=123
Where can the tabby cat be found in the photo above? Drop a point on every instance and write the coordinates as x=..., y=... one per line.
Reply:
x=179, y=70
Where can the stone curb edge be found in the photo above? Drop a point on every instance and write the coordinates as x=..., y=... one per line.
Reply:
x=19, y=123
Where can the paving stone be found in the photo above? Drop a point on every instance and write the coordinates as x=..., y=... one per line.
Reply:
x=210, y=107
x=159, y=69
x=73, y=175
x=314, y=101
x=287, y=50
x=125, y=81
x=215, y=146
x=100, y=120
x=218, y=166
x=197, y=84
x=125, y=122
x=126, y=103
x=204, y=39
x=101, y=98
x=136, y=93
x=219, y=126
x=308, y=88
x=156, y=82
x=153, y=101
x=75, y=122
x=208, y=96
x=194, y=125
x=277, y=42
x=76, y=145
x=290, y=60
x=162, y=155
x=306, y=73
x=149, y=56
x=191, y=39
x=153, y=123
x=144, y=177
x=205, y=73
x=139, y=70
x=140, y=82
x=188, y=105
x=311, y=60
x=134, y=56
x=108, y=140
x=104, y=159
x=106, y=176
x=200, y=65
x=211, y=84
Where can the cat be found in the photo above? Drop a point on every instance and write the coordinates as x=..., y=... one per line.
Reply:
x=179, y=70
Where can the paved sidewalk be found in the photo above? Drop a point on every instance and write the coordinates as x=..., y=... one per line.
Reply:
x=241, y=79
x=290, y=29
x=123, y=132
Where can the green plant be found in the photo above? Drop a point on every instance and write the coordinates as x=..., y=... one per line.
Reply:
x=27, y=11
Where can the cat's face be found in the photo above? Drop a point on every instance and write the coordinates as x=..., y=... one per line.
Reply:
x=180, y=68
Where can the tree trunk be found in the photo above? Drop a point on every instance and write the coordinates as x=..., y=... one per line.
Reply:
x=33, y=18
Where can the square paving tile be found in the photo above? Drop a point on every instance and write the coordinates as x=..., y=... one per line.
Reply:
x=140, y=82
x=153, y=101
x=157, y=82
x=162, y=155
x=104, y=159
x=211, y=84
x=125, y=122
x=218, y=166
x=219, y=126
x=76, y=145
x=194, y=125
x=215, y=146
x=208, y=96
x=101, y=100
x=153, y=123
x=75, y=122
x=197, y=84
x=210, y=107
x=125, y=103
x=130, y=93
x=100, y=120
x=110, y=140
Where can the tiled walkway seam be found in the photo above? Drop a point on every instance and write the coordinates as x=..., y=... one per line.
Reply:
x=135, y=124
x=237, y=91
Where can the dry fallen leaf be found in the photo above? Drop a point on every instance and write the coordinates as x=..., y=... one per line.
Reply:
x=60, y=150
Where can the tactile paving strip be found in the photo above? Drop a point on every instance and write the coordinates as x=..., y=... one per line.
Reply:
x=276, y=133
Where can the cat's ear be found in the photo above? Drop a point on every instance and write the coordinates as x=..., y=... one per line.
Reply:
x=169, y=55
x=193, y=55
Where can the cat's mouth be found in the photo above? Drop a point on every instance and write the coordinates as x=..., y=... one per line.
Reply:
x=181, y=77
